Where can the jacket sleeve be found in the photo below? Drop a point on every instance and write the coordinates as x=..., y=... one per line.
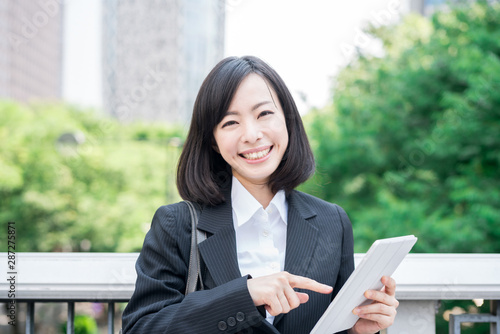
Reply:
x=158, y=304
x=347, y=258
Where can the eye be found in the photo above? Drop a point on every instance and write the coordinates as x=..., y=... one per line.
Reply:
x=228, y=123
x=265, y=113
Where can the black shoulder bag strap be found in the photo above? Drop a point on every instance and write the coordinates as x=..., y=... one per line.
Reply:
x=194, y=273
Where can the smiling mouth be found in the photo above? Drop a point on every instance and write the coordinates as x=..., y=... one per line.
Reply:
x=257, y=155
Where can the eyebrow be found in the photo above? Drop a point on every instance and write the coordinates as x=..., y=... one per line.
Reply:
x=256, y=106
x=260, y=104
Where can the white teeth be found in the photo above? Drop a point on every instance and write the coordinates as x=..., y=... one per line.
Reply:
x=257, y=155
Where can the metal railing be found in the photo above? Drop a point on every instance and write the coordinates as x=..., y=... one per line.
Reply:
x=422, y=281
x=69, y=278
x=70, y=322
x=493, y=319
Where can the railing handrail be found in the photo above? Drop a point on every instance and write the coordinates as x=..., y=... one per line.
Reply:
x=111, y=276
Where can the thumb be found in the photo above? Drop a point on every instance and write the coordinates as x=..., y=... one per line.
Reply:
x=303, y=297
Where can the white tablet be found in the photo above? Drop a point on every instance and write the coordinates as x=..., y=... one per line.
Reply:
x=382, y=259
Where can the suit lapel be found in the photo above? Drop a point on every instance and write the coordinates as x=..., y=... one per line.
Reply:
x=302, y=236
x=301, y=239
x=218, y=251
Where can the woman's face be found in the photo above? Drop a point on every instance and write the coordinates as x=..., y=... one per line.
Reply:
x=252, y=137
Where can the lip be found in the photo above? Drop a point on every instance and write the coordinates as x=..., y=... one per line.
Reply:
x=257, y=149
x=256, y=161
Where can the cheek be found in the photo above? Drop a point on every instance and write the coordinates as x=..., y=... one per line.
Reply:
x=278, y=122
x=278, y=127
x=226, y=147
x=220, y=141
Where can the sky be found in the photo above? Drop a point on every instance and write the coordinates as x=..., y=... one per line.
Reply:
x=82, y=53
x=306, y=41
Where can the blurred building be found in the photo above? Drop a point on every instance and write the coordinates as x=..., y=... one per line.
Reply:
x=427, y=7
x=31, y=49
x=156, y=54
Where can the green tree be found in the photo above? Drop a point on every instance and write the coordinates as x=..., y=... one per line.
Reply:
x=411, y=143
x=97, y=195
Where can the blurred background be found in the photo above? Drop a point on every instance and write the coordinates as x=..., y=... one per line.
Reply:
x=400, y=99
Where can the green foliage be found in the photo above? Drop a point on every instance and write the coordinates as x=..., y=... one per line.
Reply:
x=83, y=324
x=411, y=144
x=98, y=195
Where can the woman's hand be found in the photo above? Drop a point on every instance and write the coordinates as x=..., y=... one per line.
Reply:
x=276, y=291
x=381, y=313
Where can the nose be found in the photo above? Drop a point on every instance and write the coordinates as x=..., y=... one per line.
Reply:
x=252, y=132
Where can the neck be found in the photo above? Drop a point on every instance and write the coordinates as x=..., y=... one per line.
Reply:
x=261, y=192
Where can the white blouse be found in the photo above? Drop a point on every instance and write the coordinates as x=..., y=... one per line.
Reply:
x=260, y=233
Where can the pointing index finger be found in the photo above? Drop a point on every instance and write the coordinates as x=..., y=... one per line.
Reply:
x=309, y=284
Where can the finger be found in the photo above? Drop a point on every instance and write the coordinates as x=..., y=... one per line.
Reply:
x=274, y=306
x=382, y=297
x=389, y=285
x=383, y=321
x=285, y=305
x=303, y=297
x=292, y=298
x=376, y=308
x=309, y=284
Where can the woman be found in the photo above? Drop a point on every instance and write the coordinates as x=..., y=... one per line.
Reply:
x=268, y=246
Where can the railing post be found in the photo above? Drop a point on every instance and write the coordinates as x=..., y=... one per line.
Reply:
x=454, y=325
x=30, y=318
x=70, y=327
x=111, y=318
x=495, y=310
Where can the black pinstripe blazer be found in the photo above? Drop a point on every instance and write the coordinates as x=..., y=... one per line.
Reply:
x=319, y=246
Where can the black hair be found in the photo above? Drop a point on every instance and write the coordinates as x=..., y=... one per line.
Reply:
x=202, y=173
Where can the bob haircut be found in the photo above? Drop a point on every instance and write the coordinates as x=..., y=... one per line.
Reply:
x=202, y=173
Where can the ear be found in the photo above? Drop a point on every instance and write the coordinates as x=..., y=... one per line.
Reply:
x=215, y=147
